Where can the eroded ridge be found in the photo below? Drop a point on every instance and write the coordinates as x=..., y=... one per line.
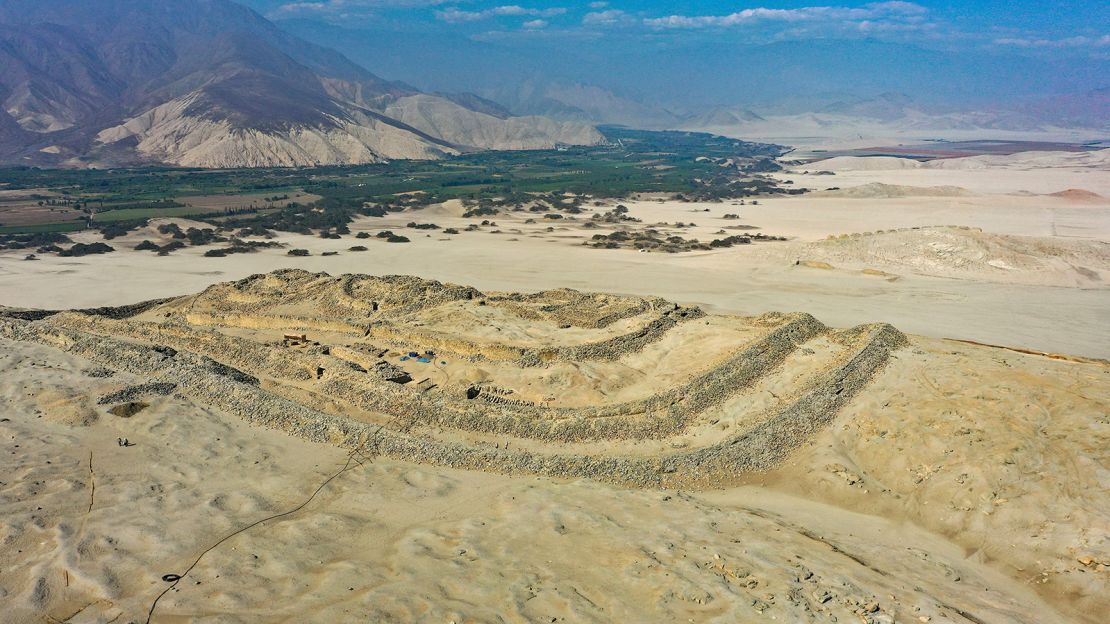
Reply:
x=630, y=390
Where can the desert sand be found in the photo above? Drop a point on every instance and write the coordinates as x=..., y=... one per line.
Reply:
x=802, y=473
x=689, y=446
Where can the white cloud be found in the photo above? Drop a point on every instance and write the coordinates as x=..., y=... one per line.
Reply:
x=598, y=5
x=1069, y=42
x=604, y=18
x=876, y=10
x=456, y=15
x=338, y=6
x=299, y=7
x=513, y=9
x=535, y=24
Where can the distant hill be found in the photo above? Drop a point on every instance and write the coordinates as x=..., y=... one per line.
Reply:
x=722, y=116
x=894, y=114
x=211, y=83
x=884, y=107
x=1090, y=109
x=582, y=102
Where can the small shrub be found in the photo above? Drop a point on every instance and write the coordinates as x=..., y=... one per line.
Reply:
x=81, y=249
x=479, y=212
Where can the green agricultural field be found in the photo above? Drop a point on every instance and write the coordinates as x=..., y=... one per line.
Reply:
x=68, y=226
x=131, y=214
x=633, y=161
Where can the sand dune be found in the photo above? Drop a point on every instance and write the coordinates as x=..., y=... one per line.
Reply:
x=450, y=208
x=862, y=163
x=1099, y=159
x=967, y=253
x=878, y=190
x=1079, y=195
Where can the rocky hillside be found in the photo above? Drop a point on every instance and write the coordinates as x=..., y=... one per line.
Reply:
x=210, y=83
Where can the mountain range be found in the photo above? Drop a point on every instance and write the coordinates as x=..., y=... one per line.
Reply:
x=210, y=83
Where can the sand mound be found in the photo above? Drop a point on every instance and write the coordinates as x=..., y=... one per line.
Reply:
x=1079, y=195
x=182, y=222
x=813, y=264
x=1099, y=159
x=1027, y=160
x=72, y=409
x=127, y=410
x=969, y=253
x=879, y=190
x=863, y=163
x=449, y=208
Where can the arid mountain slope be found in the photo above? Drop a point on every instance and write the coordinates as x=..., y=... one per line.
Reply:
x=211, y=83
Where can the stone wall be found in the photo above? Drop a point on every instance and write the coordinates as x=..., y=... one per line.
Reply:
x=758, y=449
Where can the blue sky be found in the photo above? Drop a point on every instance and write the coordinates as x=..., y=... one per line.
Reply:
x=1071, y=27
x=688, y=55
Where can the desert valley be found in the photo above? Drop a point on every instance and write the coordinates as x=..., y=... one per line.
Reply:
x=373, y=353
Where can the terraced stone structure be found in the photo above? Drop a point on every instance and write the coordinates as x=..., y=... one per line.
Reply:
x=631, y=390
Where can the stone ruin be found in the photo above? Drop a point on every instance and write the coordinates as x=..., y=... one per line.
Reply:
x=219, y=348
